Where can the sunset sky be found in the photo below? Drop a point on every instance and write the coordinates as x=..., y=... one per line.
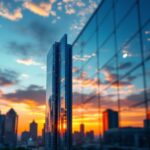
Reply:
x=28, y=28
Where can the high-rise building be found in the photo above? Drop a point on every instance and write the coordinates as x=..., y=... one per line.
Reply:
x=11, y=126
x=110, y=120
x=82, y=129
x=2, y=128
x=33, y=130
x=59, y=96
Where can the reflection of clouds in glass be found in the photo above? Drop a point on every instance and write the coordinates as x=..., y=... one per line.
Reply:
x=147, y=32
x=84, y=58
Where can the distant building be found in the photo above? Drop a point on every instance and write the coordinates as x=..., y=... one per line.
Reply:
x=110, y=119
x=90, y=136
x=82, y=129
x=43, y=135
x=147, y=121
x=25, y=137
x=33, y=130
x=2, y=125
x=127, y=138
x=11, y=125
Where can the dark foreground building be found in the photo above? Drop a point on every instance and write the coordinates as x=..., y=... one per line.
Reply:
x=11, y=126
x=2, y=128
x=110, y=66
x=59, y=97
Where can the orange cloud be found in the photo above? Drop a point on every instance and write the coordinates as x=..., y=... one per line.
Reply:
x=42, y=9
x=13, y=16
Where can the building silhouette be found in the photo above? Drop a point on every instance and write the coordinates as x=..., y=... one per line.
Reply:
x=2, y=128
x=25, y=137
x=33, y=130
x=110, y=120
x=59, y=96
x=11, y=125
x=82, y=132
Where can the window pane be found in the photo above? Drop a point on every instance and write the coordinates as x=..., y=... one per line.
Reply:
x=129, y=56
x=127, y=28
x=145, y=7
x=146, y=40
x=105, y=29
x=121, y=8
x=132, y=99
x=103, y=11
x=107, y=51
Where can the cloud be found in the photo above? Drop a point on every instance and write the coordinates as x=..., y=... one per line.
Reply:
x=43, y=34
x=84, y=58
x=69, y=9
x=42, y=9
x=32, y=95
x=28, y=62
x=16, y=48
x=15, y=15
x=8, y=78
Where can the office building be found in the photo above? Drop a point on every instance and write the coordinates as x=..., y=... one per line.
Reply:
x=110, y=120
x=110, y=66
x=11, y=125
x=33, y=130
x=59, y=96
x=111, y=61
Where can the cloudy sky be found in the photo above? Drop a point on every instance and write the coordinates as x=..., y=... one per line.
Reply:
x=28, y=28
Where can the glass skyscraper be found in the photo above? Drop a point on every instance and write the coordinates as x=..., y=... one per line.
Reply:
x=59, y=96
x=111, y=70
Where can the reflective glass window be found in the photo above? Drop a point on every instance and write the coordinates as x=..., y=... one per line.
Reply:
x=104, y=10
x=147, y=73
x=105, y=29
x=144, y=10
x=127, y=28
x=108, y=74
x=121, y=8
x=107, y=51
x=146, y=40
x=129, y=56
x=131, y=91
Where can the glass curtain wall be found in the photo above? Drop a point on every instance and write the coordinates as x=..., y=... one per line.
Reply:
x=111, y=61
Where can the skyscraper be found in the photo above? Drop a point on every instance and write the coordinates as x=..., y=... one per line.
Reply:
x=2, y=125
x=33, y=130
x=110, y=119
x=82, y=130
x=11, y=125
x=59, y=96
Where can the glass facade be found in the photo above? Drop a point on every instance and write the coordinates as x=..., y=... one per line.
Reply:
x=59, y=97
x=111, y=63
